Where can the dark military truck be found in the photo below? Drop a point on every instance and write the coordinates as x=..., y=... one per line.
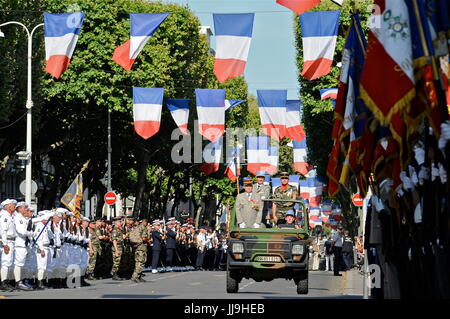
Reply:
x=268, y=253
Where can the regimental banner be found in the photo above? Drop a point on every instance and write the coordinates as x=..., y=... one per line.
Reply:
x=74, y=195
x=233, y=38
x=61, y=36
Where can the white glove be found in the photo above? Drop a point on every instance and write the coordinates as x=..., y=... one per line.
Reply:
x=399, y=190
x=434, y=172
x=424, y=174
x=413, y=175
x=255, y=225
x=377, y=203
x=419, y=154
x=242, y=225
x=418, y=214
x=29, y=234
x=407, y=184
x=385, y=187
x=442, y=173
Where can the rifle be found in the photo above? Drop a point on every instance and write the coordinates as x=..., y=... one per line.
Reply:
x=29, y=228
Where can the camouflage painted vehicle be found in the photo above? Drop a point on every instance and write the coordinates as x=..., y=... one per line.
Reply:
x=268, y=253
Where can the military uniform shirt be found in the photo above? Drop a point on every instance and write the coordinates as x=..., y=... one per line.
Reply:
x=117, y=234
x=7, y=226
x=290, y=192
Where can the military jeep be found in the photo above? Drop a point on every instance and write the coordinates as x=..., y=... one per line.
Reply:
x=268, y=253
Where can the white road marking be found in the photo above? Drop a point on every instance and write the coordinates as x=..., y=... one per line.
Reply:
x=195, y=283
x=250, y=283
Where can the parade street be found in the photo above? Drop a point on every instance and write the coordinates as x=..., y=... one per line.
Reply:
x=206, y=285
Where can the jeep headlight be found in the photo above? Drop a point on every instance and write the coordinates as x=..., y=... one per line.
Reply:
x=297, y=249
x=237, y=248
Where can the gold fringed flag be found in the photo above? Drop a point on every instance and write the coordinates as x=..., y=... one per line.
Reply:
x=74, y=194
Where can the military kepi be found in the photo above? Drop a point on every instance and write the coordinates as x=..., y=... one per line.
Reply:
x=247, y=180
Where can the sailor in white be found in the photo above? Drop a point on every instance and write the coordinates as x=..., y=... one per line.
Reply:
x=84, y=249
x=23, y=235
x=43, y=237
x=30, y=268
x=8, y=238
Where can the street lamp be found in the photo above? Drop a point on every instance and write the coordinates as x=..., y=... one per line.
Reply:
x=29, y=106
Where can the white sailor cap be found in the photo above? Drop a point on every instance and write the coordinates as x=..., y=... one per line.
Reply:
x=31, y=209
x=42, y=212
x=8, y=201
x=156, y=222
x=21, y=204
x=171, y=218
x=69, y=213
x=86, y=219
x=61, y=210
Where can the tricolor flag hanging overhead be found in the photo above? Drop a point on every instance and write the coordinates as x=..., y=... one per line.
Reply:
x=257, y=153
x=272, y=110
x=389, y=62
x=233, y=37
x=179, y=108
x=319, y=32
x=211, y=112
x=142, y=27
x=233, y=169
x=229, y=104
x=272, y=161
x=147, y=105
x=275, y=183
x=315, y=191
x=61, y=36
x=299, y=6
x=300, y=157
x=212, y=154
x=294, y=130
x=328, y=94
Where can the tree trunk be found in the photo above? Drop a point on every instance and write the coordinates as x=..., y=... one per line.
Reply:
x=142, y=156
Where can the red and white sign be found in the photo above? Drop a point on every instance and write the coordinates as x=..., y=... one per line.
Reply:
x=110, y=198
x=357, y=200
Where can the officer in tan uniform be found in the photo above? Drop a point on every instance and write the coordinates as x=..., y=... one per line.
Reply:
x=285, y=191
x=248, y=207
x=264, y=193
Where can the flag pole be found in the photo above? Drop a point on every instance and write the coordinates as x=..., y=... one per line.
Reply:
x=237, y=174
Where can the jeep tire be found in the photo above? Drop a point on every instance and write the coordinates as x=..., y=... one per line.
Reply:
x=302, y=283
x=232, y=283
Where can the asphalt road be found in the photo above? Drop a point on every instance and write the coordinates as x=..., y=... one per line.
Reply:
x=203, y=285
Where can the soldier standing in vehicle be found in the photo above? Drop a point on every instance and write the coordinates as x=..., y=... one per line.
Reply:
x=285, y=191
x=264, y=193
x=248, y=207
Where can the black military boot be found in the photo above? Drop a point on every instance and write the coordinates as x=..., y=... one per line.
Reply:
x=115, y=277
x=21, y=286
x=89, y=276
x=64, y=283
x=5, y=287
x=141, y=279
x=83, y=282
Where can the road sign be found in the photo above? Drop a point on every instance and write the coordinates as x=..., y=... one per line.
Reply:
x=34, y=187
x=357, y=200
x=110, y=198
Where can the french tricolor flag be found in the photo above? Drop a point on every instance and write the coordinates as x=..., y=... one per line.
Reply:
x=315, y=192
x=233, y=37
x=211, y=112
x=319, y=31
x=328, y=94
x=294, y=130
x=229, y=104
x=61, y=35
x=179, y=109
x=271, y=167
x=272, y=110
x=142, y=27
x=257, y=153
x=299, y=6
x=275, y=183
x=304, y=189
x=212, y=154
x=300, y=157
x=233, y=169
x=147, y=105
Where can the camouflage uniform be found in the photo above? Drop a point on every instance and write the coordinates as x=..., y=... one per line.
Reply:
x=140, y=252
x=289, y=193
x=96, y=247
x=117, y=234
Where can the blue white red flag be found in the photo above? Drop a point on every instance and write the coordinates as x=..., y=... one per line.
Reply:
x=233, y=38
x=257, y=153
x=315, y=188
x=271, y=166
x=275, y=183
x=211, y=112
x=179, y=108
x=319, y=32
x=147, y=105
x=294, y=130
x=61, y=36
x=229, y=104
x=300, y=157
x=328, y=94
x=233, y=169
x=299, y=6
x=212, y=155
x=272, y=110
x=142, y=27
